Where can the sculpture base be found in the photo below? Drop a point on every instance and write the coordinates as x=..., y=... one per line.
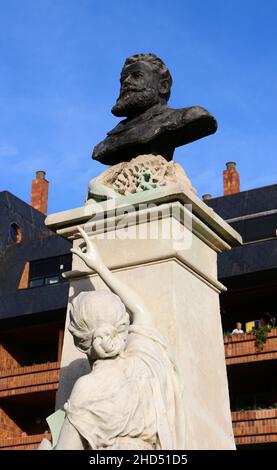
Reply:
x=139, y=174
x=175, y=271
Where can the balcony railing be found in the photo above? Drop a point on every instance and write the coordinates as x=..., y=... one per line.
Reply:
x=255, y=427
x=23, y=442
x=244, y=348
x=29, y=379
x=250, y=427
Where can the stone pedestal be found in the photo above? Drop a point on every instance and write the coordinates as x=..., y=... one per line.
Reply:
x=166, y=248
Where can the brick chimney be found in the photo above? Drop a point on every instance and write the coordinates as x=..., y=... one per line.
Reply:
x=231, y=179
x=39, y=194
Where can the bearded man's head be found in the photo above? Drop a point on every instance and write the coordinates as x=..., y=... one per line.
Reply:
x=145, y=81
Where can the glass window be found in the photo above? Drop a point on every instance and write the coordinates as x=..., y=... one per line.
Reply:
x=49, y=270
x=36, y=282
x=50, y=266
x=52, y=280
x=15, y=233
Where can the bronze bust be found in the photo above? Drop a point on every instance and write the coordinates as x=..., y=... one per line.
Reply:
x=150, y=127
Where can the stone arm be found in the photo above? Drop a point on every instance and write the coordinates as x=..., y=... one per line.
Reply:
x=134, y=304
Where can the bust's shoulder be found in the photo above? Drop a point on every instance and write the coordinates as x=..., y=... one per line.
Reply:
x=188, y=114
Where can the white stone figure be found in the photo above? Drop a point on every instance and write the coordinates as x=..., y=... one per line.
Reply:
x=132, y=397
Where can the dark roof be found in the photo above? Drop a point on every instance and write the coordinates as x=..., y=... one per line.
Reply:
x=249, y=258
x=38, y=242
x=247, y=202
x=13, y=210
x=37, y=300
x=253, y=214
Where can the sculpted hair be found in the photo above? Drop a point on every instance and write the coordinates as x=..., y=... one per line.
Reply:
x=158, y=65
x=99, y=324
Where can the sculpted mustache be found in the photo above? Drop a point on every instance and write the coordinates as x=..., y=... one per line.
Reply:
x=131, y=88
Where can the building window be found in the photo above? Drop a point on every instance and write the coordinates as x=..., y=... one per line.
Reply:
x=45, y=272
x=52, y=279
x=15, y=233
x=36, y=282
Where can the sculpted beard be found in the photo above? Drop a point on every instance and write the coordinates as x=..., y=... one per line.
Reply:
x=132, y=103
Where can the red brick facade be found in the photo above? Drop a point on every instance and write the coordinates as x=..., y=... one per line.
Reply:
x=250, y=427
x=23, y=443
x=255, y=427
x=239, y=349
x=30, y=379
x=24, y=279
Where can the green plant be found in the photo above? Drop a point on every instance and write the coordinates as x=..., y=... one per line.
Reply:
x=227, y=334
x=261, y=335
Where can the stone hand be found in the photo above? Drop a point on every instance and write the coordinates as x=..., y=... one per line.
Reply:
x=89, y=254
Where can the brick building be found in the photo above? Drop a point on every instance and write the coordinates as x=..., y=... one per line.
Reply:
x=33, y=299
x=250, y=274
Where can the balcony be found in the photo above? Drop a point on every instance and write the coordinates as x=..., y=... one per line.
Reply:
x=22, y=442
x=255, y=427
x=241, y=349
x=27, y=397
x=29, y=379
x=250, y=427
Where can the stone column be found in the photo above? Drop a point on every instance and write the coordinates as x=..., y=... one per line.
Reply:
x=174, y=269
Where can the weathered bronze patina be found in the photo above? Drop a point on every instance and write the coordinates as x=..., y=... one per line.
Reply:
x=150, y=127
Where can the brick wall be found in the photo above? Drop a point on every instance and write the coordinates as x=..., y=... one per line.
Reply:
x=240, y=349
x=8, y=428
x=254, y=427
x=7, y=361
x=24, y=279
x=250, y=427
x=23, y=443
x=30, y=379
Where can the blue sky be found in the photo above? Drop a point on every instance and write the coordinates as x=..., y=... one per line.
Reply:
x=59, y=77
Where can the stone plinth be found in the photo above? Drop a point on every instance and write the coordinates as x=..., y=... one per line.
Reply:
x=175, y=272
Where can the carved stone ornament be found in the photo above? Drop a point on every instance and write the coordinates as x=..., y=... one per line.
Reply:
x=140, y=174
